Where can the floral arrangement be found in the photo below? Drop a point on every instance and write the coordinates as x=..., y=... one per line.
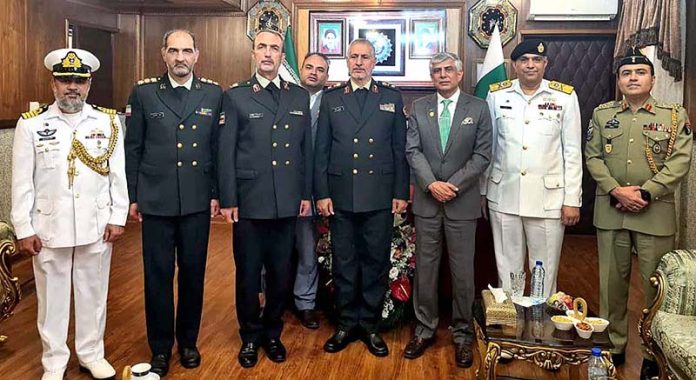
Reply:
x=397, y=300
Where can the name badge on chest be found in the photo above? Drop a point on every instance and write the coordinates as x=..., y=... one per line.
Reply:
x=255, y=116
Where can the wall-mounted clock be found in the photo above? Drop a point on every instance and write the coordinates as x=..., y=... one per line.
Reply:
x=485, y=14
x=267, y=14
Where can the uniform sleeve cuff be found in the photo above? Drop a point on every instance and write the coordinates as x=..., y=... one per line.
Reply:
x=24, y=231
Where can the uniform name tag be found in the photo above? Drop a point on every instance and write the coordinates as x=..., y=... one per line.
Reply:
x=505, y=107
x=389, y=107
x=299, y=113
x=156, y=115
x=255, y=115
x=468, y=121
x=337, y=109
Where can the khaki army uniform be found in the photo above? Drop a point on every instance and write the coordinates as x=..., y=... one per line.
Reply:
x=650, y=148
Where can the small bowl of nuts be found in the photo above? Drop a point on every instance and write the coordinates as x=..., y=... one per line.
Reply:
x=584, y=329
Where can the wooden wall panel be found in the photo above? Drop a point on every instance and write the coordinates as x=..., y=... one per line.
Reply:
x=30, y=29
x=690, y=63
x=127, y=58
x=225, y=50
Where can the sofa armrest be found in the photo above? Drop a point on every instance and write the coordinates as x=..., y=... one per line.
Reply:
x=678, y=270
x=10, y=291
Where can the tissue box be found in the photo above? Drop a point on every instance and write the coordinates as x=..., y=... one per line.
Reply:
x=498, y=313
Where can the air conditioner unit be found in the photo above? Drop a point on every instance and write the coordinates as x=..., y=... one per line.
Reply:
x=573, y=10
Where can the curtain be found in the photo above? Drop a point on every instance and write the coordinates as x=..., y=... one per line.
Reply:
x=652, y=22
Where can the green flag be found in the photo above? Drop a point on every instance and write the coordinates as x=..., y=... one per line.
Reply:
x=493, y=70
x=288, y=70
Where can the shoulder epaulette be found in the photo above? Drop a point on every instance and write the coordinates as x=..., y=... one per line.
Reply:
x=35, y=112
x=209, y=81
x=241, y=84
x=500, y=85
x=336, y=86
x=675, y=106
x=610, y=104
x=148, y=81
x=386, y=84
x=106, y=110
x=562, y=87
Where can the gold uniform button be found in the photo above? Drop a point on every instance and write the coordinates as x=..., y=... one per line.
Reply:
x=274, y=163
x=634, y=119
x=629, y=162
x=526, y=121
x=370, y=140
x=46, y=150
x=355, y=156
x=275, y=144
x=355, y=171
x=287, y=126
x=524, y=147
x=529, y=102
x=179, y=164
x=287, y=145
x=371, y=156
x=371, y=172
x=195, y=145
x=524, y=172
x=179, y=145
x=275, y=126
x=628, y=184
x=194, y=127
x=630, y=140
x=194, y=163
x=355, y=140
x=181, y=126
x=287, y=162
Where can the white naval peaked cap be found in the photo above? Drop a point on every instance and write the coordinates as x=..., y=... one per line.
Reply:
x=71, y=62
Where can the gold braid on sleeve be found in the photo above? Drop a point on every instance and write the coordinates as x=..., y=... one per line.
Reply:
x=99, y=164
x=670, y=145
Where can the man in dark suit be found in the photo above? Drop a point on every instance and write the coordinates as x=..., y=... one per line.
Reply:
x=361, y=179
x=170, y=143
x=448, y=147
x=313, y=75
x=265, y=162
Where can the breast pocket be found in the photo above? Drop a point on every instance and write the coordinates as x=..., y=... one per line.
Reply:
x=611, y=138
x=505, y=121
x=658, y=143
x=43, y=223
x=550, y=122
x=46, y=155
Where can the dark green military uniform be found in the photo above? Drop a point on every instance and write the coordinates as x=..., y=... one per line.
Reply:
x=650, y=148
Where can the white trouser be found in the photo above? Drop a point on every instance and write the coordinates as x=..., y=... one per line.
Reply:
x=88, y=267
x=514, y=235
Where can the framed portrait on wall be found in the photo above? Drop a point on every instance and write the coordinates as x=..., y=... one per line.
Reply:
x=427, y=38
x=389, y=39
x=330, y=38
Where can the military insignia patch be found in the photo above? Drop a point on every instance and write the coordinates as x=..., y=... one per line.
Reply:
x=205, y=112
x=96, y=134
x=298, y=113
x=550, y=106
x=656, y=148
x=156, y=115
x=256, y=88
x=286, y=86
x=375, y=90
x=590, y=132
x=612, y=124
x=346, y=91
x=608, y=148
x=221, y=121
x=46, y=132
x=129, y=110
x=687, y=127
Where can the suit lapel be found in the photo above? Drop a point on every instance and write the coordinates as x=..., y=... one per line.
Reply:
x=351, y=102
x=283, y=100
x=261, y=96
x=194, y=98
x=459, y=113
x=433, y=126
x=167, y=95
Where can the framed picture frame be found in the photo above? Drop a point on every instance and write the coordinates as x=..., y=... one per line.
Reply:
x=427, y=38
x=330, y=38
x=390, y=29
x=389, y=39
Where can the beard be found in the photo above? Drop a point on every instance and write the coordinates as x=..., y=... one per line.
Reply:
x=69, y=105
x=181, y=70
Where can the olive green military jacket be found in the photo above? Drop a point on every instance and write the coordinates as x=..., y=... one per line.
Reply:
x=651, y=149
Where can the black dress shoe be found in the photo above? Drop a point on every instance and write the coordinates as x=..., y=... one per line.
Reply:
x=416, y=347
x=463, y=355
x=275, y=350
x=309, y=319
x=618, y=359
x=376, y=345
x=160, y=364
x=649, y=370
x=248, y=355
x=189, y=357
x=339, y=340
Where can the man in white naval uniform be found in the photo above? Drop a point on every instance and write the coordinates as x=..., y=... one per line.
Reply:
x=534, y=182
x=69, y=203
